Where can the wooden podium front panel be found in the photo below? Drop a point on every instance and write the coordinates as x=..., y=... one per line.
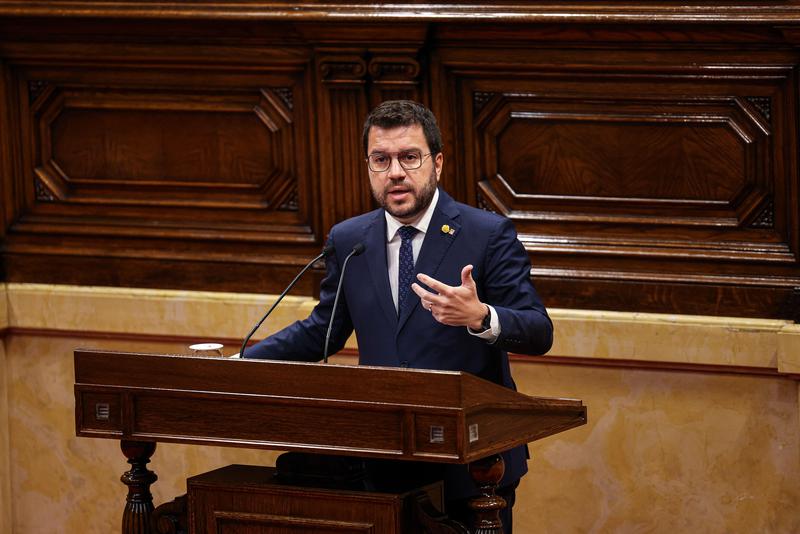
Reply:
x=282, y=424
x=409, y=414
x=241, y=499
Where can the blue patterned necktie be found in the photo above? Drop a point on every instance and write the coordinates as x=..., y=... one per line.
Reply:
x=405, y=274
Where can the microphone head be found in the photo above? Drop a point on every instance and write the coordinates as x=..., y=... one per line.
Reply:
x=328, y=250
x=358, y=249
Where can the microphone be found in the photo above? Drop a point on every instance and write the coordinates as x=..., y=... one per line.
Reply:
x=357, y=249
x=325, y=252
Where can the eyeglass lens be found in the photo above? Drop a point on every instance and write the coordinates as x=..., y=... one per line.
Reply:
x=408, y=159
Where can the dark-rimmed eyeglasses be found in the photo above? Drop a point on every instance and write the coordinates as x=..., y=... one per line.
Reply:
x=408, y=160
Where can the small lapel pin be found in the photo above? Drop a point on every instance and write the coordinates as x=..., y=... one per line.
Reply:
x=447, y=230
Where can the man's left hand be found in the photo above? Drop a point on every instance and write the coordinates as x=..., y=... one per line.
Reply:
x=454, y=306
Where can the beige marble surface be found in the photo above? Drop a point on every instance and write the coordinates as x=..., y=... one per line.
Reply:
x=210, y=316
x=664, y=451
x=5, y=447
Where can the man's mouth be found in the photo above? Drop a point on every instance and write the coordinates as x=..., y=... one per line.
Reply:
x=398, y=194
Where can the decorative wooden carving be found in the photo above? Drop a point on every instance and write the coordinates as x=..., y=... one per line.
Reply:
x=343, y=69
x=763, y=104
x=343, y=106
x=766, y=217
x=43, y=193
x=488, y=472
x=394, y=78
x=646, y=151
x=139, y=503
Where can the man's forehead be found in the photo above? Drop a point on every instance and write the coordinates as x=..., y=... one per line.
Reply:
x=411, y=135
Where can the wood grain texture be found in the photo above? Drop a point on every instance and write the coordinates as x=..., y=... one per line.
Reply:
x=249, y=499
x=647, y=166
x=332, y=409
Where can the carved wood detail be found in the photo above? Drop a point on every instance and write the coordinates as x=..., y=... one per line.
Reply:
x=139, y=503
x=763, y=104
x=635, y=158
x=347, y=69
x=480, y=99
x=766, y=217
x=43, y=193
x=394, y=77
x=486, y=474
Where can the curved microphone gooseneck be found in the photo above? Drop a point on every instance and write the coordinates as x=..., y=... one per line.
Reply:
x=357, y=249
x=325, y=252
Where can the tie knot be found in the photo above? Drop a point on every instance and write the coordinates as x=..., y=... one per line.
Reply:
x=407, y=232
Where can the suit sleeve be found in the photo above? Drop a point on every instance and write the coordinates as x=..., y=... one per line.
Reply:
x=525, y=326
x=305, y=340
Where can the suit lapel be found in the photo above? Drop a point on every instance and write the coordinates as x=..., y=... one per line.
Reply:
x=441, y=233
x=375, y=242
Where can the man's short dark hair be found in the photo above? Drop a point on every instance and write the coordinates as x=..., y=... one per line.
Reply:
x=394, y=113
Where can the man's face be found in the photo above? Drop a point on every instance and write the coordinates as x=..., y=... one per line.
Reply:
x=403, y=193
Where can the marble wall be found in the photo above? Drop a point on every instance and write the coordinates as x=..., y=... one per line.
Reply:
x=694, y=422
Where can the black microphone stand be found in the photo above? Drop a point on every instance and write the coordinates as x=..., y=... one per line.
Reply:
x=325, y=251
x=357, y=249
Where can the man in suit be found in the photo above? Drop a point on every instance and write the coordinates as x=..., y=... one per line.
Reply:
x=440, y=285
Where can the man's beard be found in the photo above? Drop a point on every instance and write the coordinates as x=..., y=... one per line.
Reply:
x=421, y=200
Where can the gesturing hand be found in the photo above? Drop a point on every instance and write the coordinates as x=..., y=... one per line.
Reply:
x=454, y=306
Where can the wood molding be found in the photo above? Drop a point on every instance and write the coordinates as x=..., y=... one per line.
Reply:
x=586, y=12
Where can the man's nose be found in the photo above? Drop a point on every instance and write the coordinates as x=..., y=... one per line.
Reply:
x=395, y=171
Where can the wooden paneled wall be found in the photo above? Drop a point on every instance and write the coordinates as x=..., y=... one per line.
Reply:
x=647, y=154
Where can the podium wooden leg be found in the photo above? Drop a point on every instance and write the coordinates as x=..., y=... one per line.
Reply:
x=139, y=503
x=487, y=474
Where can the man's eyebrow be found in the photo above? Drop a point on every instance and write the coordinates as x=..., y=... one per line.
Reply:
x=410, y=149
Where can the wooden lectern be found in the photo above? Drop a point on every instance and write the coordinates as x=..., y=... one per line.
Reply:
x=391, y=413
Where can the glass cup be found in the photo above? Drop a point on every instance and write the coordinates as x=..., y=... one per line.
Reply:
x=206, y=349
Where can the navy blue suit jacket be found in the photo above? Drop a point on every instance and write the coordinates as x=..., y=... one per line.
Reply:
x=414, y=339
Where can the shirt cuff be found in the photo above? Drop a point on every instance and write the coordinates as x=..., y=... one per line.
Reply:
x=491, y=334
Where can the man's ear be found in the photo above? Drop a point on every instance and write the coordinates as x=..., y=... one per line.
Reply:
x=437, y=163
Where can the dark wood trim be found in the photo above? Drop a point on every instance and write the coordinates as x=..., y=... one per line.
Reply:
x=234, y=343
x=585, y=12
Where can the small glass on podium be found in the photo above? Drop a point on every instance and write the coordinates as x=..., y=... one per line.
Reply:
x=206, y=349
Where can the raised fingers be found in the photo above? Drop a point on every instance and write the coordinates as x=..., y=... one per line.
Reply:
x=434, y=284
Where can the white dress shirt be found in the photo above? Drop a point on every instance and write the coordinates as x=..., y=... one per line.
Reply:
x=393, y=259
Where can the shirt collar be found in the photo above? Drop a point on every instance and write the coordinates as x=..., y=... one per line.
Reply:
x=392, y=224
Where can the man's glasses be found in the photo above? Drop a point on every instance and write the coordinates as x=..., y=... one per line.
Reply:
x=408, y=160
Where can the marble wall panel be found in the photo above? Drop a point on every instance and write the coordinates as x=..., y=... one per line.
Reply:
x=664, y=451
x=676, y=449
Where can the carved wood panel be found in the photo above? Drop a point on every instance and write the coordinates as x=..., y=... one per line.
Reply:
x=648, y=167
x=173, y=148
x=635, y=178
x=180, y=164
